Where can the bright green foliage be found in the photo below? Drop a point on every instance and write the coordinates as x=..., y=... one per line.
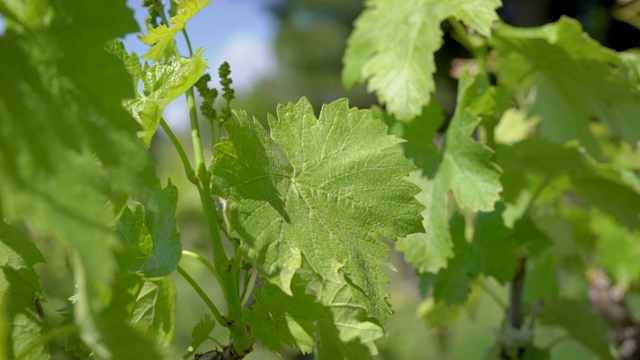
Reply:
x=393, y=44
x=328, y=190
x=566, y=79
x=581, y=322
x=464, y=167
x=618, y=247
x=65, y=139
x=162, y=83
x=153, y=235
x=154, y=309
x=548, y=162
x=492, y=252
x=161, y=38
x=19, y=294
x=346, y=332
x=277, y=318
x=199, y=334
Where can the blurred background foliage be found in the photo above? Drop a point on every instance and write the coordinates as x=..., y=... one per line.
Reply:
x=310, y=43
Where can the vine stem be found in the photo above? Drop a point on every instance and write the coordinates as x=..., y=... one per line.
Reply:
x=60, y=331
x=204, y=262
x=212, y=307
x=242, y=342
x=463, y=36
x=183, y=155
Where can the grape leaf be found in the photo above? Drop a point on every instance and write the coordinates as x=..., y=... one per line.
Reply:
x=325, y=193
x=581, y=322
x=491, y=252
x=161, y=38
x=153, y=233
x=618, y=249
x=277, y=318
x=567, y=78
x=546, y=161
x=464, y=167
x=162, y=83
x=20, y=295
x=346, y=332
x=108, y=332
x=199, y=334
x=393, y=43
x=154, y=309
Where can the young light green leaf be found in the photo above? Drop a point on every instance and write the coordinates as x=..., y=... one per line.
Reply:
x=161, y=38
x=277, y=318
x=162, y=84
x=567, y=78
x=199, y=334
x=153, y=233
x=154, y=309
x=464, y=167
x=20, y=295
x=328, y=190
x=581, y=322
x=393, y=43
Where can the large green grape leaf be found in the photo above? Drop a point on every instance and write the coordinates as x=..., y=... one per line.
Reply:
x=153, y=234
x=581, y=322
x=277, y=318
x=462, y=167
x=393, y=44
x=567, y=78
x=162, y=83
x=161, y=38
x=20, y=295
x=328, y=189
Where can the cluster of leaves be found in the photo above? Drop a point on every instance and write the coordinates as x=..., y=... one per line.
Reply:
x=534, y=180
x=308, y=201
x=535, y=176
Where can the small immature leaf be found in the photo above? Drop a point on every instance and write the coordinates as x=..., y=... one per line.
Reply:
x=154, y=309
x=581, y=322
x=328, y=190
x=162, y=84
x=277, y=318
x=161, y=38
x=153, y=233
x=567, y=78
x=199, y=334
x=19, y=294
x=393, y=43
